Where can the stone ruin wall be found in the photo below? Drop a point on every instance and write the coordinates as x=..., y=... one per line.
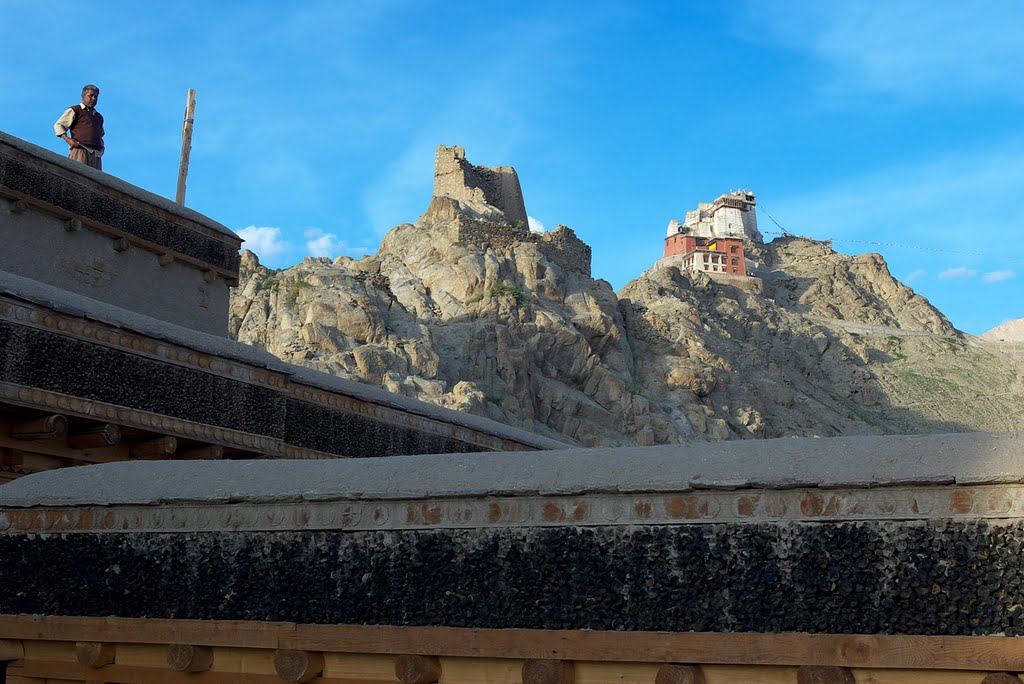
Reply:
x=497, y=186
x=456, y=181
x=561, y=245
x=565, y=249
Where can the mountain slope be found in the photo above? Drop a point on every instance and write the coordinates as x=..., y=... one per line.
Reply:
x=468, y=311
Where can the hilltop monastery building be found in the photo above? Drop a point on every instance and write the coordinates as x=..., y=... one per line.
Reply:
x=711, y=237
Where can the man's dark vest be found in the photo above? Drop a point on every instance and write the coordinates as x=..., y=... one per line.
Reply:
x=87, y=128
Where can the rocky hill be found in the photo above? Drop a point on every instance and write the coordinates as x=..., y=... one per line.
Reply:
x=1010, y=331
x=468, y=309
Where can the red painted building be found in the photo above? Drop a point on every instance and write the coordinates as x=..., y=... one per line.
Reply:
x=714, y=254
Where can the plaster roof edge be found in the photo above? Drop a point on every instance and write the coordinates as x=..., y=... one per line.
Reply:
x=864, y=462
x=72, y=304
x=115, y=183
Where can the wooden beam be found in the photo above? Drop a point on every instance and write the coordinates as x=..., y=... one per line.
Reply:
x=158, y=448
x=988, y=653
x=40, y=429
x=53, y=671
x=37, y=463
x=204, y=453
x=95, y=435
x=11, y=457
x=186, y=145
x=11, y=649
x=62, y=450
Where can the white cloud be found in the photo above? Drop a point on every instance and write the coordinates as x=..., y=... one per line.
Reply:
x=958, y=273
x=265, y=241
x=998, y=276
x=321, y=243
x=916, y=274
x=535, y=225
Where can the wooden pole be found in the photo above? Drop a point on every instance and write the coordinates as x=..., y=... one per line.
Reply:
x=186, y=144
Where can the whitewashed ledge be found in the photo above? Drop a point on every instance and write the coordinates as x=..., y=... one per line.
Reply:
x=968, y=459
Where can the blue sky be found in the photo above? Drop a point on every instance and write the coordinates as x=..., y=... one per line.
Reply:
x=888, y=126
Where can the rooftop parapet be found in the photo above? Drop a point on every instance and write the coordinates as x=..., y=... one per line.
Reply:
x=160, y=390
x=88, y=232
x=911, y=535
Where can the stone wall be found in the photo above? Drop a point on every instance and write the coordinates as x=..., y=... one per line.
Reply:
x=87, y=232
x=565, y=249
x=561, y=245
x=497, y=186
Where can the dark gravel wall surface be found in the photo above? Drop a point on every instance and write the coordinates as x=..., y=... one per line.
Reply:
x=938, y=578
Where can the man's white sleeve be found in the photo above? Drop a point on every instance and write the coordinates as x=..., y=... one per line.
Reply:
x=64, y=122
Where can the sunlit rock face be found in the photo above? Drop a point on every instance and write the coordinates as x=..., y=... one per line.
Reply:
x=468, y=309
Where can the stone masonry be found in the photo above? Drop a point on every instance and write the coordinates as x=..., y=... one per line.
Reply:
x=497, y=186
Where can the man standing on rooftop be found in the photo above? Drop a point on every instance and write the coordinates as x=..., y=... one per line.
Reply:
x=81, y=127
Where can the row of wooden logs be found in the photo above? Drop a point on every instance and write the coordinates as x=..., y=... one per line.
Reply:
x=120, y=244
x=103, y=436
x=303, y=666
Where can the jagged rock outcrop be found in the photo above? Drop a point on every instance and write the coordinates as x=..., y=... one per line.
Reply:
x=471, y=311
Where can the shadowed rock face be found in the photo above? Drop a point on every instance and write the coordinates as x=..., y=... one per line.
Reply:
x=465, y=310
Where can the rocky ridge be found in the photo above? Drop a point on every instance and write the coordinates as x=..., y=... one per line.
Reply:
x=466, y=309
x=1010, y=331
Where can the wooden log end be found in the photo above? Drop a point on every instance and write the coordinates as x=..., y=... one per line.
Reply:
x=166, y=259
x=94, y=653
x=188, y=658
x=121, y=244
x=417, y=669
x=672, y=673
x=160, y=447
x=1001, y=678
x=548, y=672
x=824, y=674
x=209, y=276
x=72, y=225
x=40, y=429
x=11, y=649
x=19, y=207
x=95, y=436
x=298, y=666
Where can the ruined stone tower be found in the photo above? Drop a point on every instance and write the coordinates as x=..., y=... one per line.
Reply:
x=497, y=186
